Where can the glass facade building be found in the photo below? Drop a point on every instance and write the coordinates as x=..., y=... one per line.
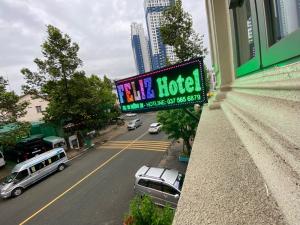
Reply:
x=140, y=48
x=159, y=52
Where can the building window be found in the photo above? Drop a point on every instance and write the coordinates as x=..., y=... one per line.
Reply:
x=243, y=26
x=38, y=109
x=265, y=33
x=282, y=17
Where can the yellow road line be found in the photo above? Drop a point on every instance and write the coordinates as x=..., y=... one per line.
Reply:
x=148, y=149
x=139, y=141
x=145, y=146
x=139, y=144
x=146, y=143
x=141, y=148
x=78, y=182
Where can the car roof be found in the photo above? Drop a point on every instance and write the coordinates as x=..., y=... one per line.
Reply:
x=53, y=139
x=31, y=138
x=134, y=120
x=154, y=124
x=166, y=175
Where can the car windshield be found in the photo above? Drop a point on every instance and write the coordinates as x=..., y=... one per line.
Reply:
x=154, y=125
x=10, y=178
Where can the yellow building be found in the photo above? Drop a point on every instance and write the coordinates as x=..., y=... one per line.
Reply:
x=245, y=163
x=34, y=109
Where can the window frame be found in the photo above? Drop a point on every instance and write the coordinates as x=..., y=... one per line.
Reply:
x=254, y=63
x=285, y=49
x=38, y=108
x=22, y=178
x=164, y=186
x=158, y=183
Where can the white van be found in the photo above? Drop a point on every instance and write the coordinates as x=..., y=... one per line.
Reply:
x=30, y=171
x=2, y=161
x=55, y=142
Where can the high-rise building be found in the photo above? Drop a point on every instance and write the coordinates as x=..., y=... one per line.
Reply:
x=159, y=52
x=140, y=47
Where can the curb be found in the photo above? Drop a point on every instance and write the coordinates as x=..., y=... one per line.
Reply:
x=81, y=153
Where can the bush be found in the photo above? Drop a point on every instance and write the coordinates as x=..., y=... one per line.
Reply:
x=144, y=212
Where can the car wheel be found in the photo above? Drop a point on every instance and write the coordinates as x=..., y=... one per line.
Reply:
x=18, y=191
x=61, y=167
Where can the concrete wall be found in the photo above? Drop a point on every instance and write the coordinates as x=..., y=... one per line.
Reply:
x=245, y=163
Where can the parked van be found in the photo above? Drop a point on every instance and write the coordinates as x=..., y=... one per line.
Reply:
x=161, y=184
x=55, y=142
x=26, y=149
x=133, y=124
x=2, y=161
x=30, y=171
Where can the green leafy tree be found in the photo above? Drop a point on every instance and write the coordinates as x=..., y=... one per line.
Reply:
x=59, y=64
x=144, y=212
x=72, y=95
x=176, y=30
x=178, y=124
x=10, y=110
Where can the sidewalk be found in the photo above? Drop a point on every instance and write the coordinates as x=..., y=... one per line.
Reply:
x=104, y=135
x=170, y=159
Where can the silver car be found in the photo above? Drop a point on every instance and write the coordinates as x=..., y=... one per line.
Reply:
x=133, y=124
x=30, y=171
x=162, y=185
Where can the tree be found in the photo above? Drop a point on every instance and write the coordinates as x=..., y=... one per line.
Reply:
x=10, y=110
x=73, y=97
x=60, y=63
x=178, y=124
x=144, y=212
x=176, y=30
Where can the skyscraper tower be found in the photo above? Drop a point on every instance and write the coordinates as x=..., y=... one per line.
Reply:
x=140, y=48
x=159, y=51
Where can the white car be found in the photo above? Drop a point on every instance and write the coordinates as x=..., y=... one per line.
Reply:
x=154, y=128
x=130, y=114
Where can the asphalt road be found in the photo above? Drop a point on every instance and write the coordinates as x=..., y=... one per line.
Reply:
x=95, y=189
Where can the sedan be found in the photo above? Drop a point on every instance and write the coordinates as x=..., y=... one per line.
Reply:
x=154, y=128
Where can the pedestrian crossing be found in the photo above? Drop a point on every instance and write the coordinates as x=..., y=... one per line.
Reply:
x=160, y=146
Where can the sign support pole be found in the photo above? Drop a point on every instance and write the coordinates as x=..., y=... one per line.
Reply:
x=192, y=115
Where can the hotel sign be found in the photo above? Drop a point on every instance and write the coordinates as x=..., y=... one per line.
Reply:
x=176, y=86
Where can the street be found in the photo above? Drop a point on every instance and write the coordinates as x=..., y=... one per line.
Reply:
x=95, y=189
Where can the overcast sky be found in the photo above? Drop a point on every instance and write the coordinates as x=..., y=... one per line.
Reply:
x=100, y=27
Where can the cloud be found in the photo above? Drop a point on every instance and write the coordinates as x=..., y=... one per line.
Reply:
x=101, y=28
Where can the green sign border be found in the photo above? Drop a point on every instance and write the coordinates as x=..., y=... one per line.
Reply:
x=159, y=72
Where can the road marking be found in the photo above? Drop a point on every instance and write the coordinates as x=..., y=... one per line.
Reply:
x=139, y=145
x=140, y=148
x=80, y=181
x=142, y=141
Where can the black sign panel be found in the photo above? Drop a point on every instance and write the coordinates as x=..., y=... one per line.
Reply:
x=176, y=86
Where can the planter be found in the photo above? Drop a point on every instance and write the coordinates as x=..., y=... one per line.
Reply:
x=184, y=159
